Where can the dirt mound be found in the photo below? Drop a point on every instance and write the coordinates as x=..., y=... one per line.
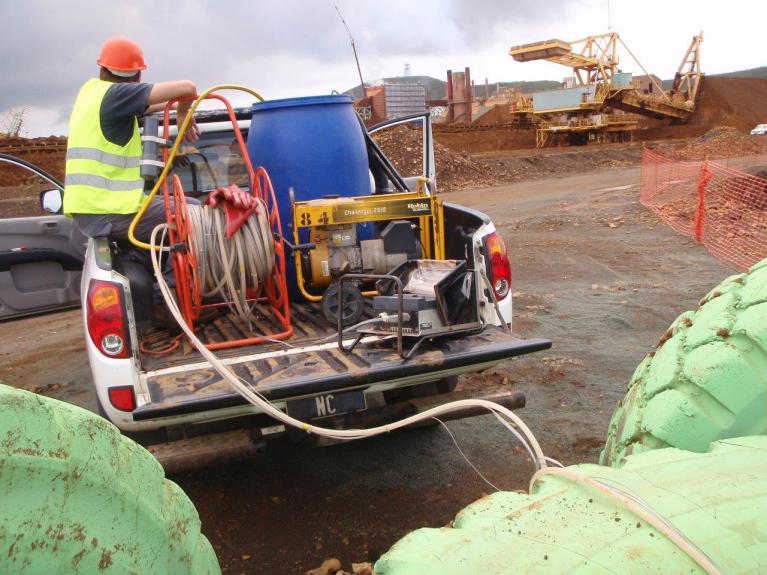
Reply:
x=737, y=102
x=500, y=114
x=45, y=153
x=718, y=142
x=481, y=139
x=461, y=170
x=455, y=170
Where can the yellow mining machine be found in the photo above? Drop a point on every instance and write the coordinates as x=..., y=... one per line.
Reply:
x=603, y=103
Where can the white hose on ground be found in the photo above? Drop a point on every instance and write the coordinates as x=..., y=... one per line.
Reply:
x=344, y=434
x=639, y=508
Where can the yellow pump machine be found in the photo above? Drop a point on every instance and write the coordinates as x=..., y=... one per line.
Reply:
x=412, y=228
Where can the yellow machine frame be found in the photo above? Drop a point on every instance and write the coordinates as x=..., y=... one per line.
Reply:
x=594, y=62
x=375, y=208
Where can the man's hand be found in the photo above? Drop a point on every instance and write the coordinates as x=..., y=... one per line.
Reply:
x=192, y=134
x=238, y=206
x=164, y=91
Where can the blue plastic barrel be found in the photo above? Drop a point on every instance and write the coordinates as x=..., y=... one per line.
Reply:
x=314, y=145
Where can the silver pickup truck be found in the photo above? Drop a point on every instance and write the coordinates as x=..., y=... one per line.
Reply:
x=171, y=400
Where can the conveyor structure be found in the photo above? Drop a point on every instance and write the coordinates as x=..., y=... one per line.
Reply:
x=604, y=103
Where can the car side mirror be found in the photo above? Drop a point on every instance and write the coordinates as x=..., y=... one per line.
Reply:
x=51, y=201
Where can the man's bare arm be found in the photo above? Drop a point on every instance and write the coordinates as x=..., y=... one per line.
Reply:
x=164, y=91
x=154, y=108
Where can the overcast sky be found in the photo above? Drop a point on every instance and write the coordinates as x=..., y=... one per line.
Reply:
x=297, y=48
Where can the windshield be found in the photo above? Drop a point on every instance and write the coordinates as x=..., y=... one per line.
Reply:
x=214, y=161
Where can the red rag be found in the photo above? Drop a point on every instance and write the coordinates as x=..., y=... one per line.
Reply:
x=238, y=206
x=235, y=217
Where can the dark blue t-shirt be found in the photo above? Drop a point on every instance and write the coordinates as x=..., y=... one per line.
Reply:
x=120, y=106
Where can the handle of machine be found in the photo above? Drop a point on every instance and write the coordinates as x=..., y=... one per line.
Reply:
x=300, y=247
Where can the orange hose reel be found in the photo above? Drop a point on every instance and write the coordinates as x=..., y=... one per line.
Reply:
x=273, y=291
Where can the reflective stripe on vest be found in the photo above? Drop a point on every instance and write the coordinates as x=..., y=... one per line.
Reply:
x=101, y=182
x=101, y=177
x=103, y=157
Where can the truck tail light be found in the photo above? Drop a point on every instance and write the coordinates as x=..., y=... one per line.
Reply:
x=106, y=318
x=498, y=265
x=122, y=398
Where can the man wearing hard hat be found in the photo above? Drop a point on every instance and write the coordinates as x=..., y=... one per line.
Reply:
x=103, y=185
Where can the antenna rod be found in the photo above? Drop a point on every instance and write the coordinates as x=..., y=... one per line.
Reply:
x=609, y=19
x=354, y=49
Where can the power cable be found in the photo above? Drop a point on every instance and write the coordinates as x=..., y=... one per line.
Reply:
x=458, y=447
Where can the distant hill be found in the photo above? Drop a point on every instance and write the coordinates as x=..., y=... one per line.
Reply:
x=525, y=86
x=760, y=72
x=435, y=89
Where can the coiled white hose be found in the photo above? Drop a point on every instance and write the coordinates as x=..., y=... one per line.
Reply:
x=228, y=267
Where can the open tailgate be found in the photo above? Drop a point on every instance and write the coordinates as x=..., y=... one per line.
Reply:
x=319, y=369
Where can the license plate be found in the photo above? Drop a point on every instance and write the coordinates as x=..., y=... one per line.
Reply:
x=326, y=405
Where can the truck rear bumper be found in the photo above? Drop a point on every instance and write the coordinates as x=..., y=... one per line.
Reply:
x=299, y=373
x=232, y=446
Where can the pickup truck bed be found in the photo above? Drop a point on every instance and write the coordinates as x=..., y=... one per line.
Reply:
x=309, y=326
x=181, y=382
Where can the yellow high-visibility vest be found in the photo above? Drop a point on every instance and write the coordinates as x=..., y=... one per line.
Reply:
x=101, y=177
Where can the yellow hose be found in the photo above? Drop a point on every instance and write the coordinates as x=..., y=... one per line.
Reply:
x=169, y=162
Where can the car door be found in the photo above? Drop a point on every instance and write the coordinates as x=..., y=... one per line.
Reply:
x=408, y=143
x=41, y=260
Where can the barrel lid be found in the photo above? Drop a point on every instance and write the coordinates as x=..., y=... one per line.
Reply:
x=302, y=101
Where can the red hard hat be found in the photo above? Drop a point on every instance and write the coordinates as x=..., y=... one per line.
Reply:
x=120, y=53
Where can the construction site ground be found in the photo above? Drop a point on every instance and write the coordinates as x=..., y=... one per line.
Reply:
x=593, y=270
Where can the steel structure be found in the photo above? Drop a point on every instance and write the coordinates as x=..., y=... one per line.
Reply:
x=594, y=63
x=12, y=122
x=688, y=76
x=585, y=111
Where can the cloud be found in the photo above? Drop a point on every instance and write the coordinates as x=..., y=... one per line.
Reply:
x=270, y=46
x=300, y=47
x=485, y=22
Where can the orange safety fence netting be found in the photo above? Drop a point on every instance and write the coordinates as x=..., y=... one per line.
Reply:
x=720, y=207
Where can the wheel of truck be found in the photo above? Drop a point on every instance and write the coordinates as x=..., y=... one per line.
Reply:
x=706, y=379
x=78, y=497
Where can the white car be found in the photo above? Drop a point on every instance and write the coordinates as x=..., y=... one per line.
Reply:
x=759, y=130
